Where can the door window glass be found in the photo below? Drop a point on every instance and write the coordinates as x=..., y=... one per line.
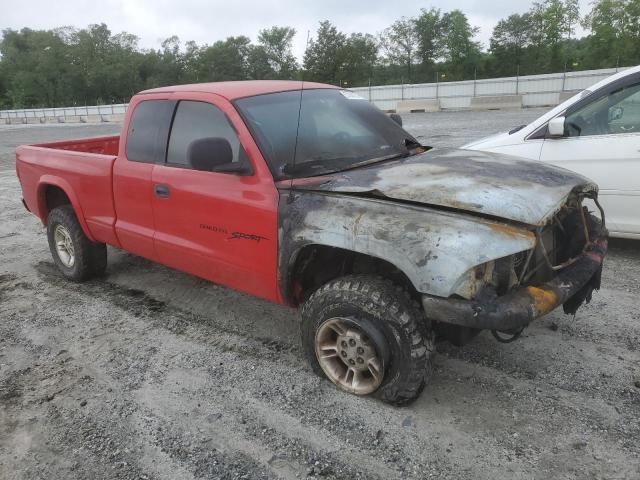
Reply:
x=617, y=112
x=197, y=121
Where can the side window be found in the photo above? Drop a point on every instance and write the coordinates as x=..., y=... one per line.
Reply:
x=202, y=127
x=149, y=130
x=616, y=112
x=624, y=116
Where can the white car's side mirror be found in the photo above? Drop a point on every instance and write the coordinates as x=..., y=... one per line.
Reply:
x=556, y=127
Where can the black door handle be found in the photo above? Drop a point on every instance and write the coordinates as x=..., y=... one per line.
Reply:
x=161, y=191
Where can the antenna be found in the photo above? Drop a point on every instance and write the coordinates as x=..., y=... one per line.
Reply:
x=295, y=145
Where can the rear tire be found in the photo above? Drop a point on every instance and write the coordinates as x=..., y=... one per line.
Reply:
x=387, y=318
x=77, y=257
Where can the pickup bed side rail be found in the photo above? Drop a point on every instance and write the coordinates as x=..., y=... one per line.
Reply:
x=85, y=179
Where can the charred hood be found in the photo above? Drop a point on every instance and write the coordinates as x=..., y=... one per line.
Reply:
x=482, y=183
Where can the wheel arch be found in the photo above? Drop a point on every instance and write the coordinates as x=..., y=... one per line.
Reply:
x=54, y=192
x=315, y=264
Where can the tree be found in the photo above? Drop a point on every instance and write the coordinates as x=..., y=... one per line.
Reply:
x=509, y=41
x=4, y=101
x=333, y=57
x=460, y=51
x=359, y=56
x=191, y=59
x=36, y=68
x=632, y=35
x=555, y=21
x=275, y=43
x=258, y=65
x=324, y=56
x=401, y=42
x=429, y=26
x=168, y=66
x=615, y=32
x=225, y=60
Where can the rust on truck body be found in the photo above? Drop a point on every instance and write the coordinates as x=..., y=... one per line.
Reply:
x=433, y=248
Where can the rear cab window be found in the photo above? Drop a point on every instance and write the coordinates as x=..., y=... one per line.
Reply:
x=149, y=130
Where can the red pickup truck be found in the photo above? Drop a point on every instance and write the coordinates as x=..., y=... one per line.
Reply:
x=307, y=195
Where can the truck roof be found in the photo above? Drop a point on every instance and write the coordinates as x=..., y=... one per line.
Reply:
x=240, y=89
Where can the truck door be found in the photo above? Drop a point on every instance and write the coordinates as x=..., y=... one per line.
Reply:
x=219, y=226
x=143, y=144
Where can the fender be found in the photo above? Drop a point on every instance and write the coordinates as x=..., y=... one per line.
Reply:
x=434, y=248
x=65, y=186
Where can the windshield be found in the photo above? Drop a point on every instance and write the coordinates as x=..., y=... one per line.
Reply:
x=338, y=130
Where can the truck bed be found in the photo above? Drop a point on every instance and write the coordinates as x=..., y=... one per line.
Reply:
x=100, y=145
x=83, y=169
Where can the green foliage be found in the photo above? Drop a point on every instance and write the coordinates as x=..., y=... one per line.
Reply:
x=275, y=42
x=554, y=22
x=324, y=56
x=359, y=59
x=224, y=60
x=511, y=38
x=333, y=57
x=430, y=30
x=461, y=53
x=401, y=42
x=615, y=27
x=68, y=66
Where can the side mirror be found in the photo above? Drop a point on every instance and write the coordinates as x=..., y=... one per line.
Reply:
x=556, y=127
x=396, y=118
x=209, y=154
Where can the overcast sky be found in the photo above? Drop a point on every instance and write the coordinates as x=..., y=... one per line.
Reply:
x=206, y=21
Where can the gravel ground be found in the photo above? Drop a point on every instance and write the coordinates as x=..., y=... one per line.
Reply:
x=150, y=373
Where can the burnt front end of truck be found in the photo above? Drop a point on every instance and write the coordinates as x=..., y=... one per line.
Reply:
x=562, y=269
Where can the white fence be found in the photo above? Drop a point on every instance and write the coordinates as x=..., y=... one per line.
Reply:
x=86, y=113
x=536, y=90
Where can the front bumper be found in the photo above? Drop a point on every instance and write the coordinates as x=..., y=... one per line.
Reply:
x=570, y=287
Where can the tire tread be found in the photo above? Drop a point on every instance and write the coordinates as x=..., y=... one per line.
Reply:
x=384, y=299
x=91, y=257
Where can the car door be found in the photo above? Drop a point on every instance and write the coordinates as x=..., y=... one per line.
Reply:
x=218, y=225
x=602, y=142
x=142, y=145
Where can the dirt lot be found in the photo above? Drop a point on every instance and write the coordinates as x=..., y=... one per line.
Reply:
x=150, y=373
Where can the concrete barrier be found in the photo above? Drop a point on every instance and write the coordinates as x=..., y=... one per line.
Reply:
x=497, y=102
x=113, y=118
x=423, y=105
x=90, y=118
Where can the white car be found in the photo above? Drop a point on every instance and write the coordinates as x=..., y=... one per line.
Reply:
x=595, y=133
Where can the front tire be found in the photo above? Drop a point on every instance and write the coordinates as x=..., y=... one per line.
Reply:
x=368, y=336
x=77, y=257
